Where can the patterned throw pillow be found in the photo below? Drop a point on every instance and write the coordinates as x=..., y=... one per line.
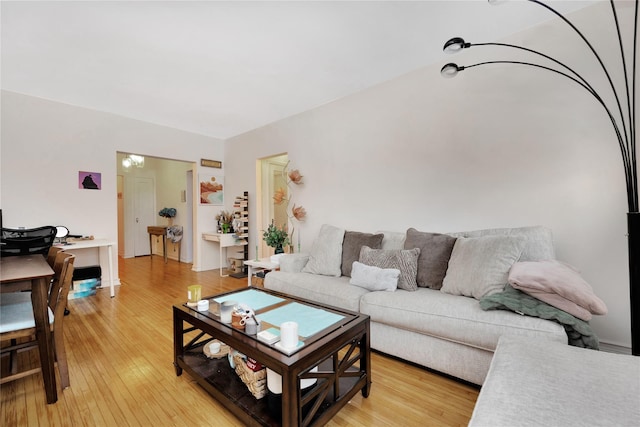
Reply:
x=404, y=260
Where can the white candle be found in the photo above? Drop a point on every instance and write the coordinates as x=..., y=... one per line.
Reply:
x=289, y=334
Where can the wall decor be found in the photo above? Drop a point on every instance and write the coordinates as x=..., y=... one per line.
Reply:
x=211, y=163
x=89, y=180
x=283, y=196
x=211, y=189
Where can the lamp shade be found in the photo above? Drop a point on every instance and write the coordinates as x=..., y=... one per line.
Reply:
x=450, y=70
x=455, y=44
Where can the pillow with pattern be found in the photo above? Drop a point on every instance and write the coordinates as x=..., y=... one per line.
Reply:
x=405, y=260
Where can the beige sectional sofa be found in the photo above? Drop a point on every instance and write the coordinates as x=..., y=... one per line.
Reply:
x=540, y=383
x=441, y=329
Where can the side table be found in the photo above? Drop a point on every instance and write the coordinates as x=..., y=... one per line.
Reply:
x=158, y=231
x=259, y=265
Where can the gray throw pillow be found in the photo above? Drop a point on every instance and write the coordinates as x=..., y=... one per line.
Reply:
x=435, y=251
x=479, y=266
x=405, y=260
x=353, y=241
x=326, y=252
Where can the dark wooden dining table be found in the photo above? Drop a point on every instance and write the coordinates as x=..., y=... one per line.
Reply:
x=32, y=272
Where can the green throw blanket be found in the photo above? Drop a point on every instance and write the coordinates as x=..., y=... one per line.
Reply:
x=579, y=332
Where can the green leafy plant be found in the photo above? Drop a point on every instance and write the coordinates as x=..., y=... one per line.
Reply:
x=276, y=237
x=168, y=212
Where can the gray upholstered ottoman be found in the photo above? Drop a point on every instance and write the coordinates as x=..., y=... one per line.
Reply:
x=544, y=383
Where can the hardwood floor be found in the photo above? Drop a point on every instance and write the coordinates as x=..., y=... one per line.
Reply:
x=120, y=359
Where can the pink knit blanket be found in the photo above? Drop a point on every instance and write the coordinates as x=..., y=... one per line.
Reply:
x=559, y=285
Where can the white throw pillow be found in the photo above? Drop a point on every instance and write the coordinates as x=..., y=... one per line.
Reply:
x=326, y=252
x=374, y=278
x=479, y=266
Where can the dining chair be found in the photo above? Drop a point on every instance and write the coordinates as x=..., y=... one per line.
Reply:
x=51, y=255
x=28, y=241
x=16, y=321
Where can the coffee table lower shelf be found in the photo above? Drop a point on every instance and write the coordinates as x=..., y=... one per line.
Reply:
x=220, y=380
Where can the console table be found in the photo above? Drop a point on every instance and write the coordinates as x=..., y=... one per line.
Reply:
x=225, y=240
x=155, y=230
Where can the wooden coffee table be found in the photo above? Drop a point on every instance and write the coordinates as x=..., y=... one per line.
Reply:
x=335, y=341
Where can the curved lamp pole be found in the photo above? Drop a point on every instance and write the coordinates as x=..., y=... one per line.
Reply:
x=623, y=125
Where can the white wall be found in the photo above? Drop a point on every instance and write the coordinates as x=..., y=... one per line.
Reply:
x=495, y=147
x=45, y=144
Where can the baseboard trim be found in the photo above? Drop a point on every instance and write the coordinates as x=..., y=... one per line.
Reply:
x=613, y=348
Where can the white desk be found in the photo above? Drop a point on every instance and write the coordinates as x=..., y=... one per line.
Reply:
x=225, y=240
x=260, y=264
x=95, y=243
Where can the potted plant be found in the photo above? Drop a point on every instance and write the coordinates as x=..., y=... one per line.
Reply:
x=225, y=219
x=168, y=213
x=276, y=237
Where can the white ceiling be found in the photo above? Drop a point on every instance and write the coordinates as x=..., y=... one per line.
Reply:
x=223, y=68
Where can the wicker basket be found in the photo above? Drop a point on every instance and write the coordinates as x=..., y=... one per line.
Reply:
x=257, y=281
x=256, y=382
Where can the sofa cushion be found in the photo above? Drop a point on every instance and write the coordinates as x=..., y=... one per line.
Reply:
x=326, y=252
x=541, y=383
x=453, y=318
x=353, y=241
x=539, y=240
x=374, y=278
x=334, y=291
x=405, y=260
x=435, y=251
x=392, y=239
x=293, y=263
x=480, y=266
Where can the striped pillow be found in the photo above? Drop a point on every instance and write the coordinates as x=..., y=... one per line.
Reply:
x=405, y=260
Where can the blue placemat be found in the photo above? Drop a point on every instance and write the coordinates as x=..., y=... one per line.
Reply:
x=253, y=298
x=310, y=320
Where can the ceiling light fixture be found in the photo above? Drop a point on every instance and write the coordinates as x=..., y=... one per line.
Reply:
x=133, y=160
x=623, y=123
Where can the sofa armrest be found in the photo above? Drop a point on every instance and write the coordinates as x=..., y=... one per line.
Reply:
x=293, y=263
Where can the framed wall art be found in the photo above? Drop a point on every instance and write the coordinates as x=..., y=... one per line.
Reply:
x=211, y=189
x=89, y=180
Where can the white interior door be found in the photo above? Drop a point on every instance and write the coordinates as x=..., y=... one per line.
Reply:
x=144, y=213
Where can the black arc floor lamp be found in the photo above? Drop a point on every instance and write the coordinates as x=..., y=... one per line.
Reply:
x=622, y=116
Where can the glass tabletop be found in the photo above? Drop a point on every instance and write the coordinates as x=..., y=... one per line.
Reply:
x=273, y=309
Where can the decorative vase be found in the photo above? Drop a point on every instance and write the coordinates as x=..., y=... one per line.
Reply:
x=170, y=222
x=279, y=249
x=225, y=228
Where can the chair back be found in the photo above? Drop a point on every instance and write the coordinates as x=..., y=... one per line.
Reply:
x=61, y=284
x=27, y=241
x=51, y=255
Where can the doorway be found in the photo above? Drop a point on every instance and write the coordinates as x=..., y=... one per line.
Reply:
x=144, y=188
x=271, y=178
